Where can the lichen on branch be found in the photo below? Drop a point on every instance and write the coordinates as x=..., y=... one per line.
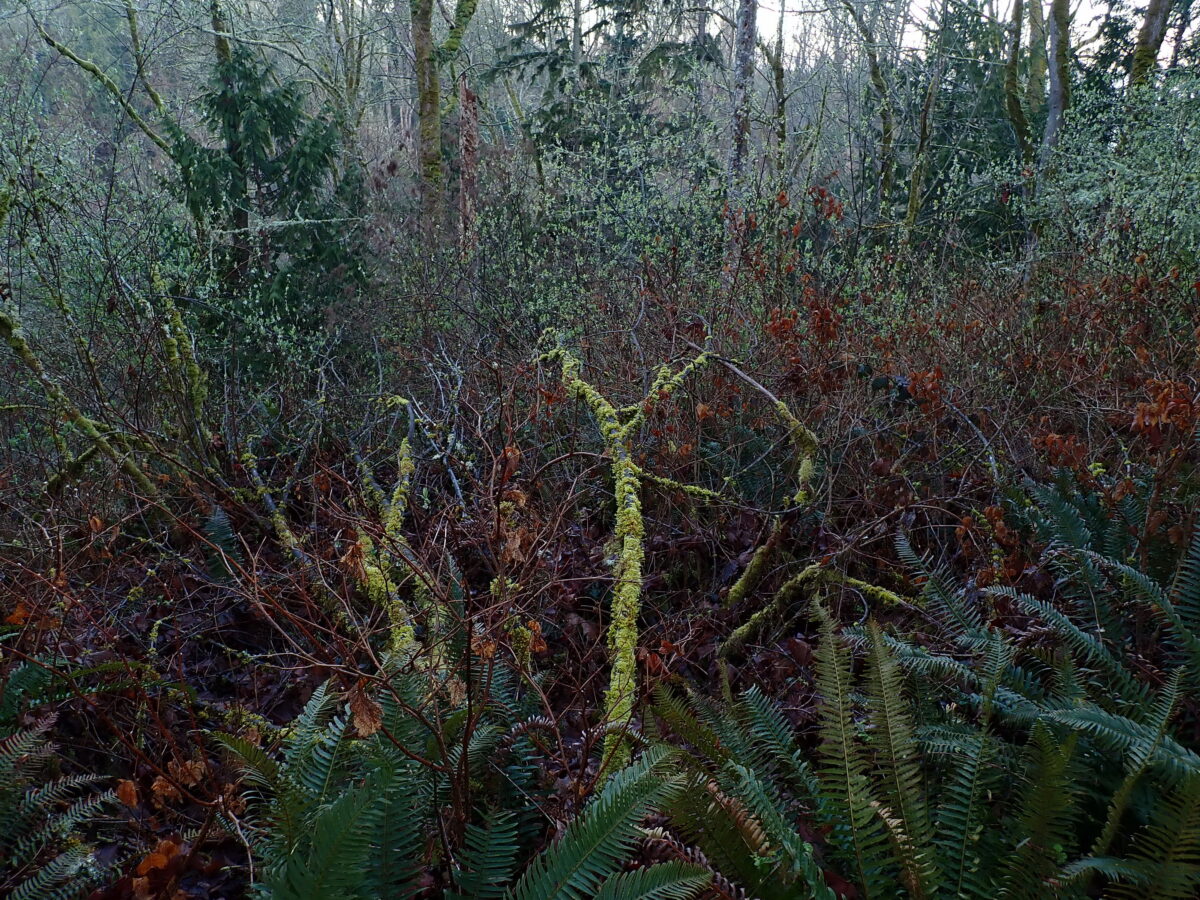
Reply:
x=617, y=428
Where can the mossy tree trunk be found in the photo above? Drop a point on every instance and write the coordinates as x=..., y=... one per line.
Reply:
x=887, y=117
x=240, y=214
x=429, y=101
x=1149, y=42
x=1035, y=87
x=1060, y=86
x=428, y=60
x=1012, y=88
x=745, y=34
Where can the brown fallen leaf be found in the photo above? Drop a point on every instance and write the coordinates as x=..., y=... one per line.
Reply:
x=127, y=792
x=365, y=713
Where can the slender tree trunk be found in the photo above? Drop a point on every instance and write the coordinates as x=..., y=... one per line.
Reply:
x=1149, y=41
x=429, y=99
x=1181, y=27
x=1012, y=87
x=388, y=116
x=1035, y=88
x=745, y=34
x=240, y=215
x=1057, y=103
x=577, y=34
x=468, y=153
x=887, y=119
x=774, y=57
x=777, y=78
x=916, y=184
x=1060, y=85
x=401, y=36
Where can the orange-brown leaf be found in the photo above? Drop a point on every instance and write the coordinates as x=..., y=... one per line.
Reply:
x=127, y=792
x=365, y=713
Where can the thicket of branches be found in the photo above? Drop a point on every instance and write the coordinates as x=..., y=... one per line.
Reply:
x=603, y=449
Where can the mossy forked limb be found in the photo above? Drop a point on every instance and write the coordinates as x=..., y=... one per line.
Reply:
x=101, y=436
x=617, y=427
x=805, y=446
x=812, y=577
x=380, y=577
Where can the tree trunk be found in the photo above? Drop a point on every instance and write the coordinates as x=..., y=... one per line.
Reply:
x=1060, y=86
x=774, y=57
x=468, y=153
x=429, y=100
x=1056, y=108
x=1012, y=92
x=1181, y=27
x=1035, y=89
x=1149, y=41
x=401, y=37
x=577, y=34
x=240, y=215
x=743, y=92
x=916, y=184
x=887, y=120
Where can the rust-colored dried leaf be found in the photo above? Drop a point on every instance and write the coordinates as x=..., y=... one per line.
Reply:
x=365, y=713
x=127, y=792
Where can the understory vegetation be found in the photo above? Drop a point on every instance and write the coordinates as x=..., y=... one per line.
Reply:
x=498, y=450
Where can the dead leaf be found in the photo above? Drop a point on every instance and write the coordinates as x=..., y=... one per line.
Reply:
x=483, y=646
x=188, y=772
x=160, y=858
x=164, y=791
x=127, y=792
x=365, y=713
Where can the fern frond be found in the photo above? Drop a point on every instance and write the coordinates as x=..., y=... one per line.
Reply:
x=488, y=858
x=723, y=829
x=339, y=847
x=1043, y=825
x=224, y=546
x=794, y=855
x=59, y=879
x=665, y=881
x=842, y=773
x=307, y=728
x=604, y=834
x=939, y=594
x=1088, y=648
x=1151, y=594
x=1185, y=589
x=776, y=739
x=1167, y=853
x=961, y=820
x=901, y=785
x=681, y=719
x=394, y=866
x=1124, y=735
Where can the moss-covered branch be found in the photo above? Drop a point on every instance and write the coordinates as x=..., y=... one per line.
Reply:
x=805, y=447
x=109, y=85
x=379, y=577
x=11, y=334
x=617, y=427
x=811, y=577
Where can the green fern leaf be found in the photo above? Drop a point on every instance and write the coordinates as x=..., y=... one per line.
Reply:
x=603, y=835
x=665, y=881
x=488, y=858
